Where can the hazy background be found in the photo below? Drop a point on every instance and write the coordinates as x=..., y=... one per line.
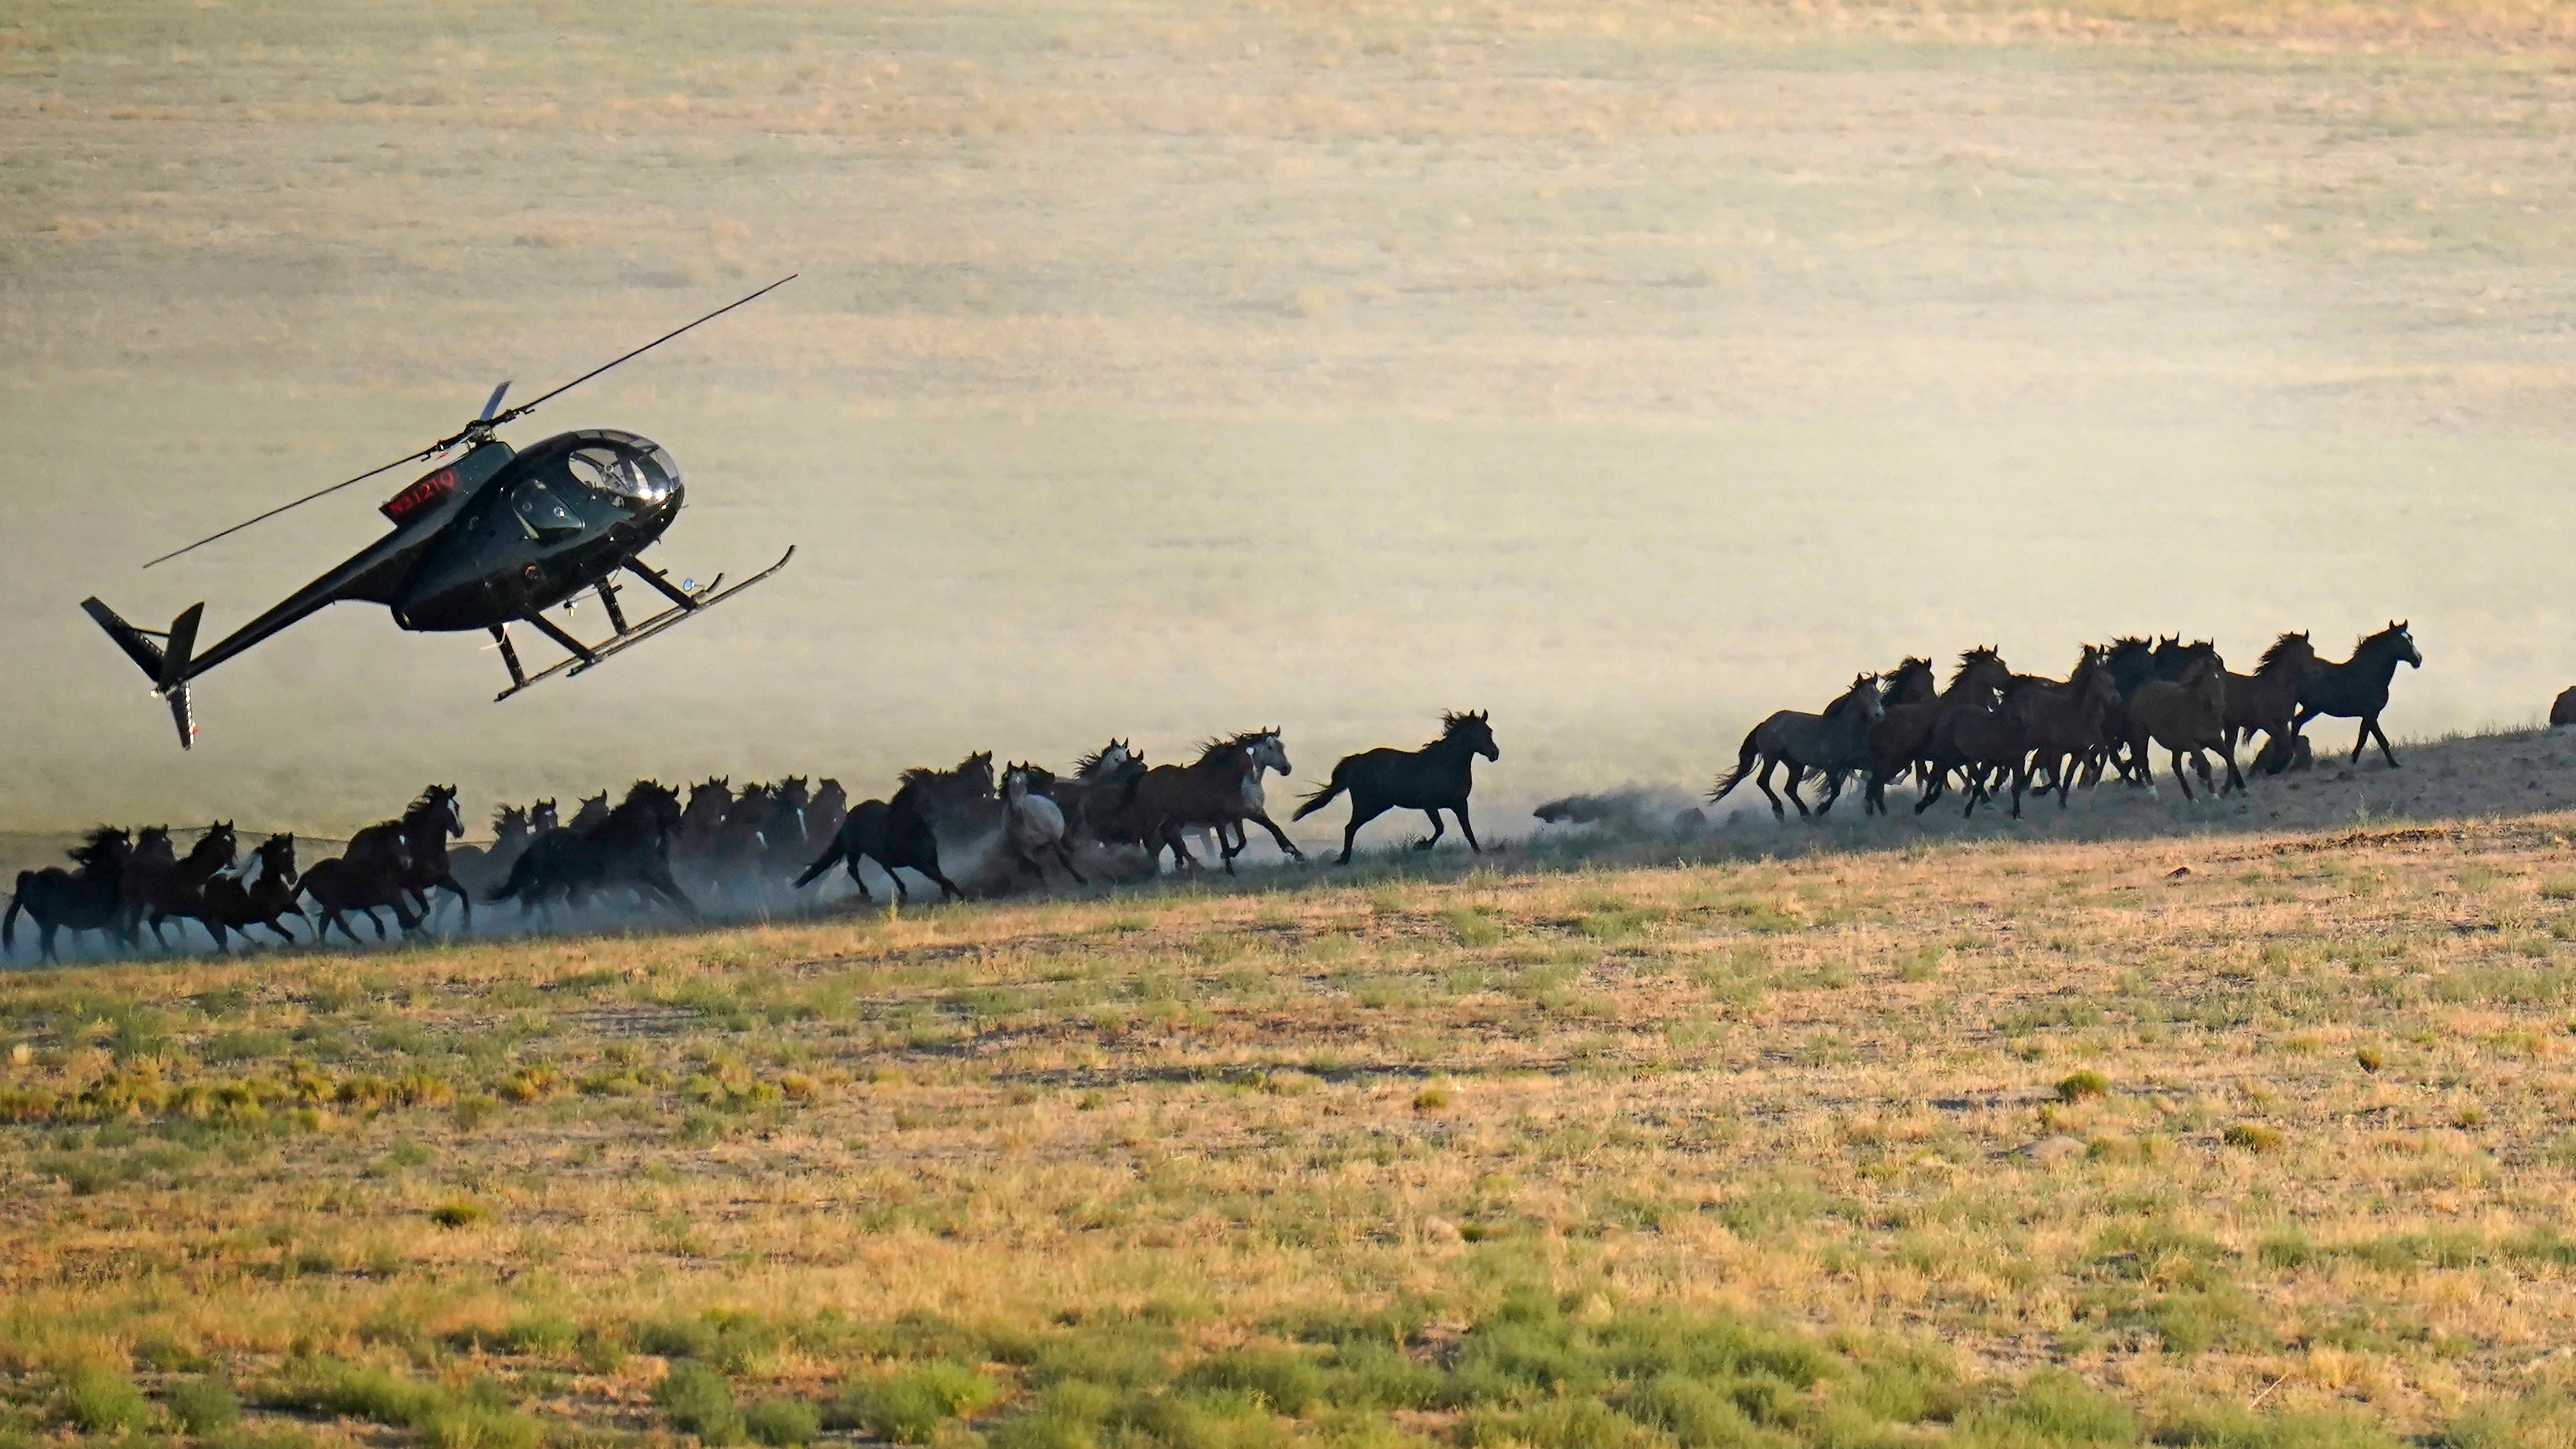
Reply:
x=1626, y=369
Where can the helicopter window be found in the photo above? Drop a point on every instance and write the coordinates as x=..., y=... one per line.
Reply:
x=603, y=471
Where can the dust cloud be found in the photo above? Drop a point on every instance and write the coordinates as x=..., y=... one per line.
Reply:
x=1162, y=370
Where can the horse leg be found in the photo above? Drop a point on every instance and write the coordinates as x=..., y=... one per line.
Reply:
x=1833, y=792
x=657, y=877
x=2179, y=777
x=464, y=899
x=1762, y=781
x=1226, y=851
x=2200, y=762
x=1362, y=812
x=1028, y=863
x=45, y=941
x=2235, y=778
x=1437, y=830
x=855, y=879
x=1465, y=829
x=1797, y=772
x=1286, y=846
x=1064, y=857
x=2371, y=723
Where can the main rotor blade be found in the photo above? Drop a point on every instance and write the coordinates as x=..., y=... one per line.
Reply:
x=523, y=409
x=298, y=503
x=492, y=404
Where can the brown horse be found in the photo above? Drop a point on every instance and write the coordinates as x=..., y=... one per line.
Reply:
x=1212, y=791
x=1898, y=740
x=1097, y=791
x=2064, y=722
x=261, y=896
x=2185, y=714
x=2268, y=699
x=629, y=848
x=1832, y=744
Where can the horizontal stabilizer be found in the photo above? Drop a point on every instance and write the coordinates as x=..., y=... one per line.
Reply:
x=145, y=654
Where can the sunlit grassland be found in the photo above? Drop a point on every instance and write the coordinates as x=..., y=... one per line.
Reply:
x=1733, y=1153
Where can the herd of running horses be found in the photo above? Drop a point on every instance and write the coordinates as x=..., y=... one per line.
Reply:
x=1986, y=731
x=1989, y=727
x=747, y=846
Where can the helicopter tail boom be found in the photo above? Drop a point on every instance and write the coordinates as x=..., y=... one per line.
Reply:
x=167, y=663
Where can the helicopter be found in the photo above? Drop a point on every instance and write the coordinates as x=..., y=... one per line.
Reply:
x=495, y=537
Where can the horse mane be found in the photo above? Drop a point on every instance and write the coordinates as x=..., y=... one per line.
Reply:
x=99, y=844
x=647, y=790
x=1210, y=749
x=502, y=816
x=1910, y=664
x=1968, y=663
x=2283, y=648
x=1091, y=762
x=421, y=802
x=2383, y=639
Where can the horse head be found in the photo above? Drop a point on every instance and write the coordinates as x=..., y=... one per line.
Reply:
x=277, y=859
x=1866, y=695
x=544, y=818
x=218, y=844
x=1472, y=728
x=791, y=792
x=2405, y=641
x=976, y=772
x=1269, y=751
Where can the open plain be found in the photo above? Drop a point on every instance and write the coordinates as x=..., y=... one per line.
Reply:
x=1627, y=368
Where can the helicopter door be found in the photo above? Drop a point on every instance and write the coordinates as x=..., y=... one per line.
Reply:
x=541, y=513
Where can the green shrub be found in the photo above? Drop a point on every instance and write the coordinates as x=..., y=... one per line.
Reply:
x=477, y=1426
x=2254, y=1137
x=909, y=1407
x=699, y=1401
x=203, y=1406
x=2082, y=1085
x=786, y=1423
x=459, y=1212
x=2054, y=1407
x=102, y=1401
x=1286, y=1382
x=1698, y=1414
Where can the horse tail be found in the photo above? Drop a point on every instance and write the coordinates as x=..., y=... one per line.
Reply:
x=523, y=873
x=9, y=922
x=1735, y=777
x=830, y=857
x=1324, y=796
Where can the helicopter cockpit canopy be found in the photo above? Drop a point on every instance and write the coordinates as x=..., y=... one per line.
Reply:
x=630, y=470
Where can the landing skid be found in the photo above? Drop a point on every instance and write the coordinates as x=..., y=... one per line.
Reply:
x=586, y=657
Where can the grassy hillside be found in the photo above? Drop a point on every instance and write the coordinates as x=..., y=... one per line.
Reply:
x=2004, y=1144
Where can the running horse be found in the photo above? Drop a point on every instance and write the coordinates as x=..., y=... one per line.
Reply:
x=1218, y=790
x=421, y=865
x=180, y=890
x=264, y=895
x=629, y=847
x=2358, y=687
x=1832, y=744
x=90, y=897
x=1434, y=778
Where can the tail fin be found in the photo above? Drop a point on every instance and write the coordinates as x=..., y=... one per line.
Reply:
x=168, y=666
x=1322, y=797
x=1734, y=777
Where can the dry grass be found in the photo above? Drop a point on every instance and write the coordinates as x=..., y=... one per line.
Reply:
x=2320, y=1159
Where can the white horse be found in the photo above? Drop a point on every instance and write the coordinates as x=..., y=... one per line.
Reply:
x=1030, y=823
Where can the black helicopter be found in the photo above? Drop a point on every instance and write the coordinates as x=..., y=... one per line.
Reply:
x=494, y=538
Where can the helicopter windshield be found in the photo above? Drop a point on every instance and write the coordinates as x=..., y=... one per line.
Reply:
x=622, y=466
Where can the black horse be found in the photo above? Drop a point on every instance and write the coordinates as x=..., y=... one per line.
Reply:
x=630, y=846
x=90, y=898
x=2358, y=687
x=262, y=896
x=895, y=834
x=1434, y=778
x=420, y=865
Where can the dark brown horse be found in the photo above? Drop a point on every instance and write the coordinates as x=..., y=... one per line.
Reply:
x=481, y=867
x=1097, y=791
x=741, y=843
x=264, y=895
x=830, y=806
x=897, y=834
x=2358, y=687
x=159, y=885
x=1434, y=778
x=2268, y=699
x=339, y=885
x=420, y=865
x=1832, y=743
x=1208, y=793
x=90, y=897
x=2063, y=724
x=785, y=839
x=629, y=848
x=960, y=802
x=1897, y=742
x=2185, y=714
